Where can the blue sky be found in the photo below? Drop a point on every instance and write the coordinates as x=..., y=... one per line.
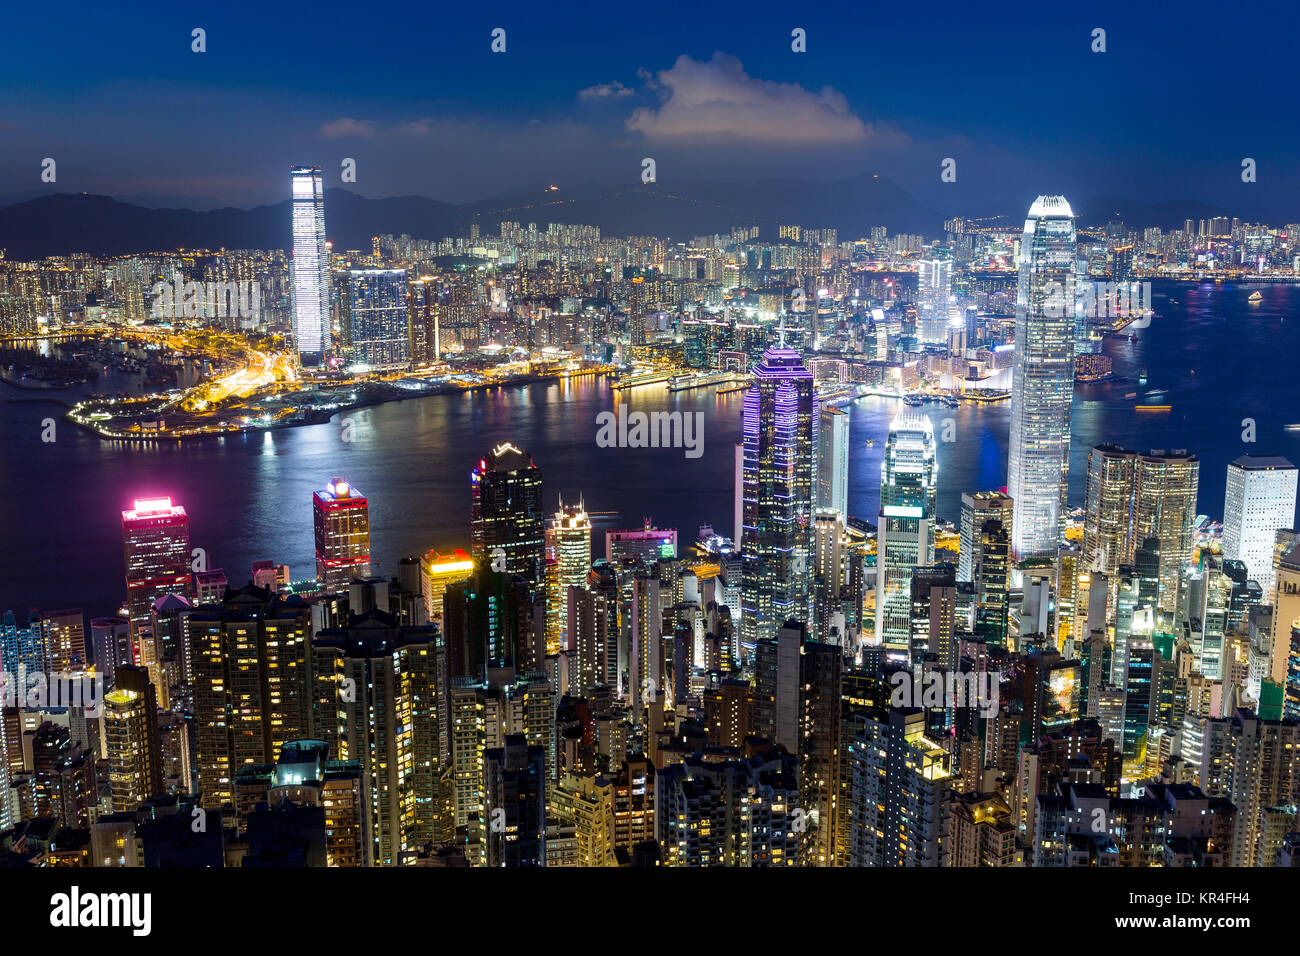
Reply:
x=712, y=91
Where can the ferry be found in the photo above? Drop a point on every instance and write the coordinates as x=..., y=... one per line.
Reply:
x=1293, y=427
x=1142, y=376
x=1152, y=408
x=1255, y=297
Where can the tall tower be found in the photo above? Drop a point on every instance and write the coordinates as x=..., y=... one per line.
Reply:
x=310, y=265
x=1164, y=507
x=379, y=318
x=908, y=486
x=1260, y=501
x=833, y=460
x=780, y=448
x=342, y=518
x=131, y=746
x=568, y=559
x=1042, y=385
x=506, y=520
x=933, y=290
x=1108, y=509
x=156, y=547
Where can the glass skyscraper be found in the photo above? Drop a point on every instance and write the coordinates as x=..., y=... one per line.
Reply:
x=777, y=480
x=378, y=324
x=310, y=266
x=908, y=485
x=1042, y=385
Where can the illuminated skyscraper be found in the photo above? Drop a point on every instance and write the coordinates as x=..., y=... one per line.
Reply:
x=342, y=520
x=976, y=509
x=426, y=333
x=310, y=265
x=440, y=571
x=156, y=547
x=933, y=290
x=1108, y=509
x=1164, y=507
x=568, y=559
x=780, y=449
x=376, y=693
x=506, y=517
x=1042, y=386
x=908, y=485
x=833, y=460
x=378, y=318
x=131, y=744
x=1260, y=501
x=251, y=683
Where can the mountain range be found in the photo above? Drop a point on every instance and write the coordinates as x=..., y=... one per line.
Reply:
x=64, y=223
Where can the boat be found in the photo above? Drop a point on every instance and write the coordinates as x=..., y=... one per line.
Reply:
x=913, y=400
x=1255, y=297
x=1142, y=376
x=871, y=442
x=1152, y=408
x=1293, y=427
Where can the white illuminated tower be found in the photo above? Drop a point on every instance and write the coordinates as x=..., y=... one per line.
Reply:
x=909, y=480
x=1259, y=502
x=310, y=265
x=1042, y=385
x=933, y=290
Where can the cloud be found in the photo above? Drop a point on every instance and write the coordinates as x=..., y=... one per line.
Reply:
x=347, y=126
x=718, y=99
x=604, y=91
x=419, y=127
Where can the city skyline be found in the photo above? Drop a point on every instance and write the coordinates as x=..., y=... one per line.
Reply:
x=773, y=445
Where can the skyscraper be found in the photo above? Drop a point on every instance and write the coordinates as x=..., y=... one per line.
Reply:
x=1108, y=509
x=379, y=328
x=506, y=519
x=515, y=791
x=780, y=417
x=156, y=548
x=375, y=701
x=310, y=266
x=342, y=520
x=933, y=289
x=251, y=683
x=908, y=485
x=977, y=508
x=568, y=559
x=1260, y=501
x=1042, y=385
x=833, y=460
x=131, y=745
x=1164, y=507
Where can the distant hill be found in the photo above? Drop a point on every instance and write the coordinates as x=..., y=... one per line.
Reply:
x=100, y=225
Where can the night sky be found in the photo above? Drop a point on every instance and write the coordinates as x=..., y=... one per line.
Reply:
x=711, y=91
